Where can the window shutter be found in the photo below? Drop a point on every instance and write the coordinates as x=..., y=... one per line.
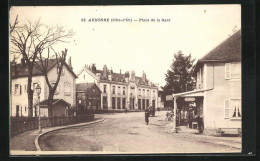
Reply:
x=227, y=71
x=20, y=89
x=226, y=104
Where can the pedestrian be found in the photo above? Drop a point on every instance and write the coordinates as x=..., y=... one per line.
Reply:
x=126, y=111
x=199, y=120
x=147, y=113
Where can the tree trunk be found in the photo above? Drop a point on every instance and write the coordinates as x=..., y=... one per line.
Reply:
x=50, y=101
x=30, y=95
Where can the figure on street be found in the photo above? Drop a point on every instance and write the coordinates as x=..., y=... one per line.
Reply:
x=147, y=113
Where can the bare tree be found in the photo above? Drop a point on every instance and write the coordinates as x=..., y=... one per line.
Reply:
x=43, y=66
x=12, y=27
x=29, y=40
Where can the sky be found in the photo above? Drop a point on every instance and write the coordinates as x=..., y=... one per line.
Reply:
x=137, y=45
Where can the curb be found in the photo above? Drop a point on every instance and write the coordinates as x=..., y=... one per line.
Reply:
x=211, y=142
x=36, y=141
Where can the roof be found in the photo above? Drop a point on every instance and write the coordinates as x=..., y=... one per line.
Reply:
x=85, y=86
x=22, y=70
x=55, y=101
x=229, y=50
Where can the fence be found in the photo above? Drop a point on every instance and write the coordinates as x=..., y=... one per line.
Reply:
x=20, y=125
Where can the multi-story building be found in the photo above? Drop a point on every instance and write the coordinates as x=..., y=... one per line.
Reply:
x=120, y=91
x=65, y=95
x=218, y=87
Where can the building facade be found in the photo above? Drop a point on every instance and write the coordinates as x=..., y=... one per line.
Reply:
x=66, y=89
x=218, y=87
x=88, y=97
x=121, y=91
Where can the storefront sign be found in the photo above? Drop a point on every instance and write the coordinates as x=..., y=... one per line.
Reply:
x=189, y=99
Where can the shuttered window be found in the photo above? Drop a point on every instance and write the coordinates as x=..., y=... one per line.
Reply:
x=226, y=106
x=227, y=71
x=232, y=108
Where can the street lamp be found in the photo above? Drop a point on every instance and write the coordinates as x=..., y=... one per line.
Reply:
x=38, y=91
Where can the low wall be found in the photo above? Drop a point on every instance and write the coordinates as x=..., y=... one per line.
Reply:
x=21, y=124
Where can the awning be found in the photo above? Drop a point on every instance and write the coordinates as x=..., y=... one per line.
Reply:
x=194, y=93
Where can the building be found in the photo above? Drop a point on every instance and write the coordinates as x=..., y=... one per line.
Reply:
x=88, y=97
x=65, y=95
x=120, y=91
x=160, y=103
x=217, y=97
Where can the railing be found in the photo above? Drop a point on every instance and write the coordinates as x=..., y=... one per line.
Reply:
x=22, y=124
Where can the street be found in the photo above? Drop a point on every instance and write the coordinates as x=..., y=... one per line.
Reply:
x=121, y=132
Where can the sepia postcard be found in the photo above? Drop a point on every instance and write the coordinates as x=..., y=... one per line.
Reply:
x=153, y=79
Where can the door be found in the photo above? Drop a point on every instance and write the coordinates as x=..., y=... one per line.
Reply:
x=17, y=110
x=123, y=103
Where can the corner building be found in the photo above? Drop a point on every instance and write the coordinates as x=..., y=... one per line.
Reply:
x=120, y=91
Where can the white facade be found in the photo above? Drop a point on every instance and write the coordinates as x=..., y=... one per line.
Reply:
x=19, y=99
x=120, y=94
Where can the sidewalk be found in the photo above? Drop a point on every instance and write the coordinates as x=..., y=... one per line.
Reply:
x=26, y=141
x=190, y=134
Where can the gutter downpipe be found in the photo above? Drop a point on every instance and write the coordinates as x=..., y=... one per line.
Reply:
x=174, y=129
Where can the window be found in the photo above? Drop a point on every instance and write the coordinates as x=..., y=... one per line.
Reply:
x=67, y=89
x=139, y=92
x=57, y=91
x=123, y=90
x=89, y=101
x=147, y=92
x=232, y=108
x=114, y=88
x=16, y=88
x=153, y=93
x=34, y=86
x=62, y=72
x=25, y=87
x=79, y=101
x=233, y=70
x=143, y=92
x=132, y=89
x=118, y=90
x=105, y=89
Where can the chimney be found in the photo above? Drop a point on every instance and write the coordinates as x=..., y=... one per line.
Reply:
x=111, y=71
x=13, y=68
x=69, y=63
x=144, y=76
x=105, y=71
x=110, y=77
x=120, y=71
x=98, y=76
x=93, y=68
x=126, y=74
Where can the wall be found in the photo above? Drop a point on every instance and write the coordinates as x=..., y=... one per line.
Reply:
x=59, y=109
x=66, y=78
x=214, y=99
x=22, y=99
x=88, y=78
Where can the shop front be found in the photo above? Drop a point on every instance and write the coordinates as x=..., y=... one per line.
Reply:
x=188, y=108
